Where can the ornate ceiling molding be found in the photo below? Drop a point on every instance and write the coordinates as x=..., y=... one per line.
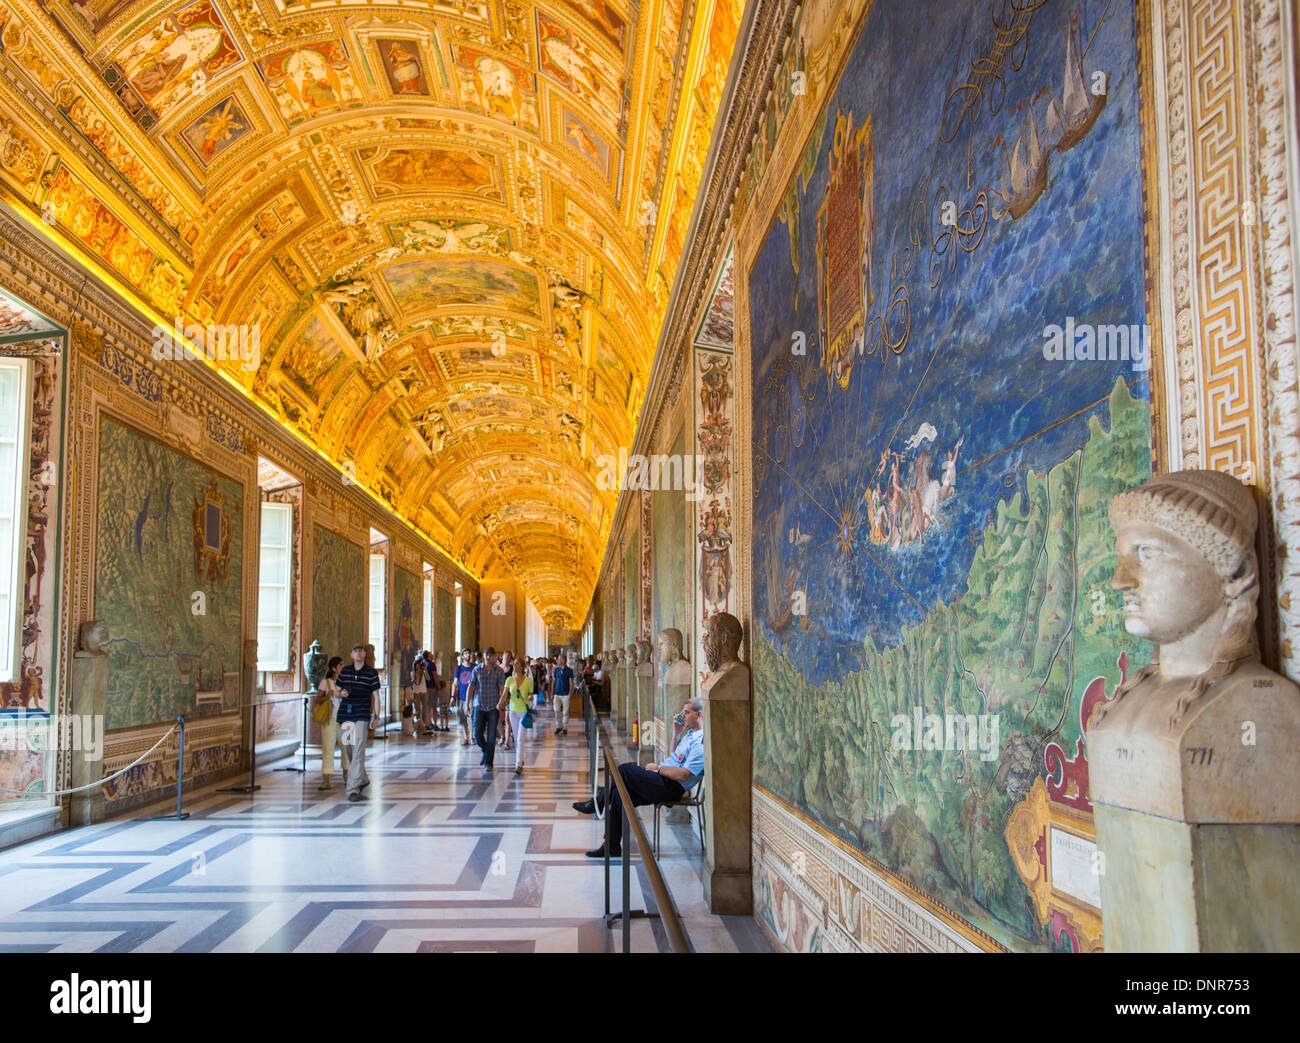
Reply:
x=759, y=53
x=240, y=162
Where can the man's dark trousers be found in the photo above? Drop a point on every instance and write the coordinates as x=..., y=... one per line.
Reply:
x=485, y=733
x=644, y=787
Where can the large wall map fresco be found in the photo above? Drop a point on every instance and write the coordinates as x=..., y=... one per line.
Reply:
x=168, y=568
x=338, y=594
x=935, y=440
x=409, y=605
x=669, y=523
x=444, y=633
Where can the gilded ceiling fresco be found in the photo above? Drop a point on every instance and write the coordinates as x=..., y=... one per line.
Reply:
x=453, y=224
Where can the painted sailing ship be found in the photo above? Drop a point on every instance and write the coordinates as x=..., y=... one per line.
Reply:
x=1071, y=121
x=1024, y=175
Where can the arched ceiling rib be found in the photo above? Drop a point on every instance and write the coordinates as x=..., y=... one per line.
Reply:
x=453, y=224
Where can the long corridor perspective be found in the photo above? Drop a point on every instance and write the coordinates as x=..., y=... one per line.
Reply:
x=877, y=421
x=440, y=858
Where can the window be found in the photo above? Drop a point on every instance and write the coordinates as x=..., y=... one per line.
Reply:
x=378, y=589
x=428, y=611
x=274, y=594
x=13, y=469
x=459, y=636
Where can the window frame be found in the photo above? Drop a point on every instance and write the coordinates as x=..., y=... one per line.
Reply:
x=11, y=628
x=428, y=602
x=377, y=640
x=270, y=665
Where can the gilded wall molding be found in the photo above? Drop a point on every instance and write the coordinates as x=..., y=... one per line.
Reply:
x=1225, y=181
x=1276, y=122
x=839, y=903
x=109, y=371
x=760, y=49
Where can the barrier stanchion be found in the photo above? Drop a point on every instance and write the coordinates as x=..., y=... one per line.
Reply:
x=295, y=768
x=180, y=815
x=606, y=818
x=678, y=939
x=628, y=812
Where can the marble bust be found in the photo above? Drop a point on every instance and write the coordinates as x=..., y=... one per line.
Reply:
x=722, y=637
x=1205, y=732
x=629, y=657
x=91, y=638
x=643, y=651
x=675, y=668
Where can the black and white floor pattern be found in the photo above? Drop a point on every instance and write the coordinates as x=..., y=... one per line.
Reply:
x=441, y=857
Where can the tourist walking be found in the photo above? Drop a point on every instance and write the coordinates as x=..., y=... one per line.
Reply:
x=460, y=681
x=439, y=696
x=486, y=685
x=561, y=689
x=328, y=692
x=358, y=712
x=519, y=699
x=422, y=692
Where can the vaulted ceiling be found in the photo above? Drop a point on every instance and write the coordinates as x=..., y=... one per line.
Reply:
x=453, y=225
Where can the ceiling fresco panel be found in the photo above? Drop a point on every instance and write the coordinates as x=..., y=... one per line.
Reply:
x=451, y=221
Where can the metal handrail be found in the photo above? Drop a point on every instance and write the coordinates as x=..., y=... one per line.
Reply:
x=678, y=939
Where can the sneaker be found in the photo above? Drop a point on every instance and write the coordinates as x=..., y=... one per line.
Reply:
x=354, y=797
x=614, y=852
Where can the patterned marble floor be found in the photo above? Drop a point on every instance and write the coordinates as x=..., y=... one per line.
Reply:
x=442, y=857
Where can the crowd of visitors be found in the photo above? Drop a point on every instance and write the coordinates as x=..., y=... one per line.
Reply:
x=495, y=703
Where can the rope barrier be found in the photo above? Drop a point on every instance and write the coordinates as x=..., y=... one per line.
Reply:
x=91, y=785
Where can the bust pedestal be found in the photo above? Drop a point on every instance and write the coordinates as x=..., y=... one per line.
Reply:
x=1197, y=823
x=674, y=689
x=615, y=676
x=89, y=699
x=644, y=711
x=627, y=709
x=728, y=751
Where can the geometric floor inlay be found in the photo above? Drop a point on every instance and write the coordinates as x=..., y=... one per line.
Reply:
x=441, y=858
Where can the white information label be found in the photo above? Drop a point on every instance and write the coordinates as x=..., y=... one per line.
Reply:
x=1074, y=867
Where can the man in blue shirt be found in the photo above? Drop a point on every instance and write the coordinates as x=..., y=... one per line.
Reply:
x=358, y=711
x=562, y=681
x=487, y=683
x=655, y=783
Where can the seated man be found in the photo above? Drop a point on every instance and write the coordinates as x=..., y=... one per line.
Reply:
x=655, y=783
